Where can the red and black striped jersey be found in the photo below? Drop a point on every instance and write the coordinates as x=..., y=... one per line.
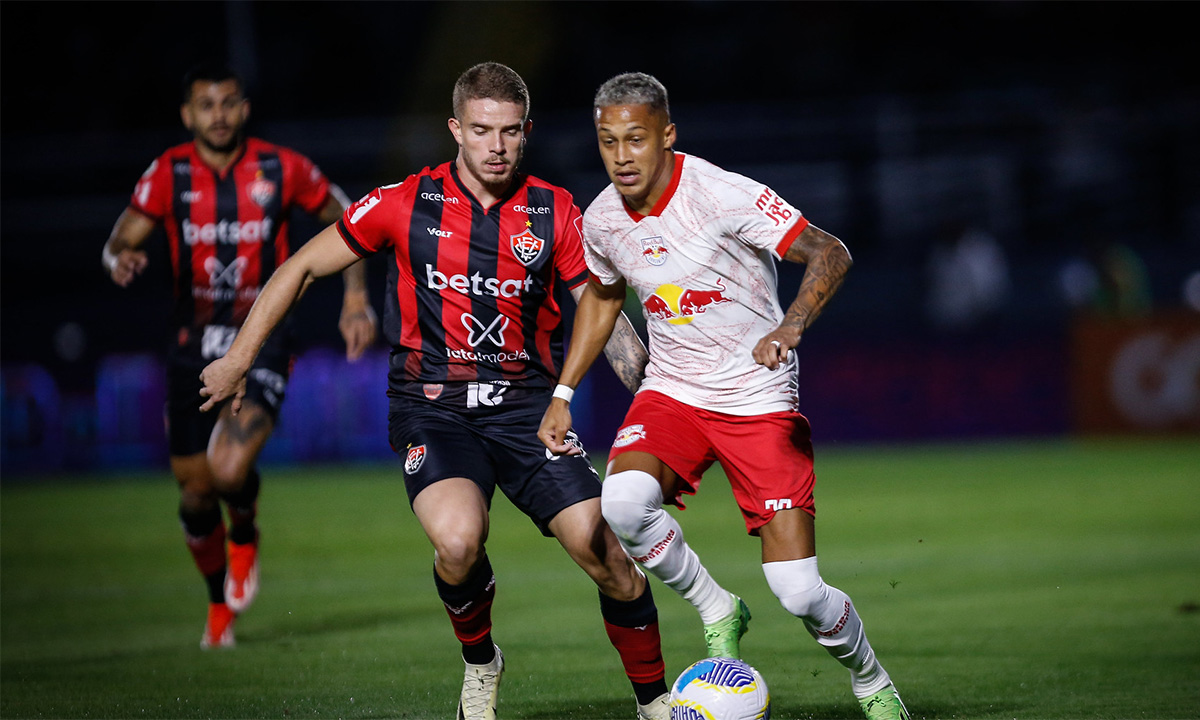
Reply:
x=471, y=293
x=226, y=231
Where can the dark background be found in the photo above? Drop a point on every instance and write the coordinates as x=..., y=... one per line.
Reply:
x=1044, y=124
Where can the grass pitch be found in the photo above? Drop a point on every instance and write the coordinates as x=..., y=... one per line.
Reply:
x=1008, y=580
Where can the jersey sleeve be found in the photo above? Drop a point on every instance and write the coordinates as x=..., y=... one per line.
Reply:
x=568, y=250
x=601, y=268
x=760, y=217
x=309, y=184
x=152, y=194
x=365, y=225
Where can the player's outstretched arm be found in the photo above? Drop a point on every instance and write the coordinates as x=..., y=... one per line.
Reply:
x=595, y=318
x=122, y=255
x=826, y=262
x=324, y=255
x=357, y=323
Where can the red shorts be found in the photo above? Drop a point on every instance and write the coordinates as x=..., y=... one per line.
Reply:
x=767, y=458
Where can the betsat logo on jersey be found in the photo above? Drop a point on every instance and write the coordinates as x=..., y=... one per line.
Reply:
x=720, y=688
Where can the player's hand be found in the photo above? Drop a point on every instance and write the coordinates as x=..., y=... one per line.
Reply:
x=223, y=379
x=772, y=350
x=126, y=265
x=555, y=424
x=358, y=324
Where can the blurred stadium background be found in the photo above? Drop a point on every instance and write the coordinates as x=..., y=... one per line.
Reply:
x=1019, y=183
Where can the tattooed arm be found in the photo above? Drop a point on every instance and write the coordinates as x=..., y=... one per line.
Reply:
x=599, y=324
x=827, y=260
x=625, y=351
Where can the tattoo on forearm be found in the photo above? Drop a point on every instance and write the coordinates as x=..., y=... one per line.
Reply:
x=627, y=356
x=827, y=262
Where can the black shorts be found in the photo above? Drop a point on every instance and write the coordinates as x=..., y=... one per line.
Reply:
x=188, y=429
x=436, y=441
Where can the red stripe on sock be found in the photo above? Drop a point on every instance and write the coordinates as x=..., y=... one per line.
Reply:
x=640, y=650
x=208, y=551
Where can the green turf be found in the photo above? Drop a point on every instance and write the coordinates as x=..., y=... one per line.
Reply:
x=1014, y=580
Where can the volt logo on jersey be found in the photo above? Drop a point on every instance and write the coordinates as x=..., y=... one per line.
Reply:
x=477, y=332
x=526, y=246
x=679, y=306
x=220, y=274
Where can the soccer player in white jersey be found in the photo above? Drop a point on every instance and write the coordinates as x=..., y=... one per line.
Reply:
x=698, y=245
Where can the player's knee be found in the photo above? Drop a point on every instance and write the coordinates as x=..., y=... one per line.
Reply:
x=628, y=501
x=456, y=554
x=798, y=585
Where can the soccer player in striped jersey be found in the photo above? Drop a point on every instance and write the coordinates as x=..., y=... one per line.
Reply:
x=224, y=200
x=698, y=246
x=478, y=255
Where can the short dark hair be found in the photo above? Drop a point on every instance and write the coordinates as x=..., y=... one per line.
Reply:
x=491, y=81
x=214, y=72
x=633, y=88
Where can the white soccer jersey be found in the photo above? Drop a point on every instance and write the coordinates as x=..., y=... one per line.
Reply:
x=703, y=266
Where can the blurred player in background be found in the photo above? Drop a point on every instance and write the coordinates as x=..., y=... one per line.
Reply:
x=698, y=245
x=224, y=201
x=479, y=253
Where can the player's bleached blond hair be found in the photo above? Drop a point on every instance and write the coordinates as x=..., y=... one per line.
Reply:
x=490, y=81
x=633, y=88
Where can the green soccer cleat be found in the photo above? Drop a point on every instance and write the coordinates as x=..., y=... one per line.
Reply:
x=885, y=705
x=723, y=637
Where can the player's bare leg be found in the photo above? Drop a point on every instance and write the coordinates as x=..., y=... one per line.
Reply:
x=632, y=503
x=626, y=604
x=790, y=565
x=454, y=515
x=233, y=451
x=204, y=532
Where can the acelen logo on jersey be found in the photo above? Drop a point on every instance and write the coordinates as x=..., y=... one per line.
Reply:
x=476, y=284
x=226, y=233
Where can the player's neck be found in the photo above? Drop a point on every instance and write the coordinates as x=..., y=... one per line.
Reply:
x=646, y=204
x=219, y=160
x=487, y=195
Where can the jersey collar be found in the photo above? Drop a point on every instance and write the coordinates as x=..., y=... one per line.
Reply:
x=665, y=198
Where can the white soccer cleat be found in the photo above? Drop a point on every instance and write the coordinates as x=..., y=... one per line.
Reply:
x=657, y=709
x=481, y=689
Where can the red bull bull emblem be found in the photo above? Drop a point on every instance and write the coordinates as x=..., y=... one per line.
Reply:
x=526, y=246
x=414, y=458
x=654, y=251
x=629, y=434
x=679, y=306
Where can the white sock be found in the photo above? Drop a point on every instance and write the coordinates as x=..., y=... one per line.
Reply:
x=632, y=505
x=830, y=618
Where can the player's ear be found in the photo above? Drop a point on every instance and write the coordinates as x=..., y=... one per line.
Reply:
x=527, y=127
x=245, y=109
x=455, y=130
x=185, y=114
x=669, y=136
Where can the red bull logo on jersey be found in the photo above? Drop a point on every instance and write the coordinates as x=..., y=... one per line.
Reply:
x=679, y=306
x=654, y=251
x=526, y=246
x=413, y=459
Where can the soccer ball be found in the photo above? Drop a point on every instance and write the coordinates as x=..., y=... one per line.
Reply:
x=720, y=689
